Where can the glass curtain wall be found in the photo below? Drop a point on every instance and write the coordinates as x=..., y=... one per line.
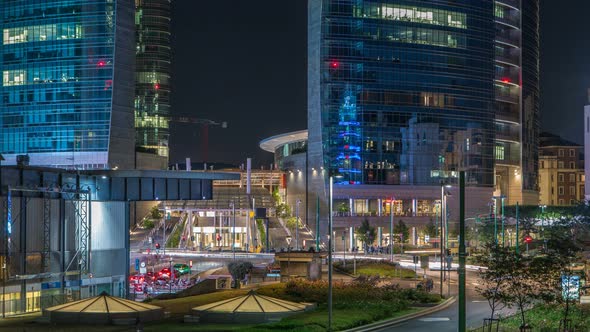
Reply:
x=56, y=59
x=407, y=91
x=152, y=76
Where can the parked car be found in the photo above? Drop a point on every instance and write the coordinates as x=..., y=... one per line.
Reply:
x=182, y=268
x=150, y=276
x=136, y=279
x=165, y=273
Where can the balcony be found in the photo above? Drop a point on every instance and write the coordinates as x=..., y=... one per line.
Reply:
x=510, y=20
x=511, y=3
x=507, y=116
x=508, y=58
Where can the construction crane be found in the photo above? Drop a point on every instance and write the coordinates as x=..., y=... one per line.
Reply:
x=205, y=124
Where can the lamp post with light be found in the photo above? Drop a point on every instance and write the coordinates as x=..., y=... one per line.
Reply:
x=330, y=208
x=171, y=275
x=233, y=245
x=543, y=207
x=4, y=265
x=297, y=225
x=288, y=238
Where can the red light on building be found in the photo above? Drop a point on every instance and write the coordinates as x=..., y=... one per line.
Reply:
x=157, y=86
x=346, y=147
x=101, y=63
x=528, y=239
x=334, y=64
x=506, y=80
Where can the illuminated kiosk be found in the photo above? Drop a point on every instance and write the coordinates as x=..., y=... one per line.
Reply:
x=103, y=309
x=250, y=308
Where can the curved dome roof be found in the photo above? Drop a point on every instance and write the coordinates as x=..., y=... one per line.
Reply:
x=103, y=309
x=251, y=303
x=103, y=303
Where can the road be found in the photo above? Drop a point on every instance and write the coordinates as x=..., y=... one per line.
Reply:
x=447, y=320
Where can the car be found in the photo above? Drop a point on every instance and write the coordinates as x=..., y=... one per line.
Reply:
x=165, y=273
x=136, y=279
x=138, y=288
x=182, y=268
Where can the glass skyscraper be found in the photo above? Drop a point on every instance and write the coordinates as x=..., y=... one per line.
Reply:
x=67, y=82
x=516, y=85
x=402, y=92
x=152, y=76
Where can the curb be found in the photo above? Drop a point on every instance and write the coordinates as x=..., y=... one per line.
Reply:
x=394, y=321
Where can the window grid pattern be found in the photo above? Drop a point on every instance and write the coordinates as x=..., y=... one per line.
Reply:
x=57, y=75
x=152, y=77
x=399, y=112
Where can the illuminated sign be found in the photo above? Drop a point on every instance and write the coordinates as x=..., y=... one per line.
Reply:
x=570, y=287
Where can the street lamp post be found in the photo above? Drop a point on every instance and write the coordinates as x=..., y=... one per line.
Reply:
x=297, y=225
x=391, y=228
x=171, y=275
x=517, y=239
x=331, y=190
x=543, y=225
x=288, y=238
x=442, y=193
x=344, y=252
x=502, y=202
x=233, y=245
x=501, y=197
x=4, y=265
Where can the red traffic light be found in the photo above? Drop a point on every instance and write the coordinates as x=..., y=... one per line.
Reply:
x=528, y=239
x=157, y=246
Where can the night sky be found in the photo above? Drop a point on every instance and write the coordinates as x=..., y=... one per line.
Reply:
x=244, y=62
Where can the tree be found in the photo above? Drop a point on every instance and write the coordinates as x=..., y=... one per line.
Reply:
x=276, y=197
x=430, y=229
x=401, y=228
x=560, y=252
x=366, y=233
x=521, y=283
x=492, y=284
x=155, y=213
x=283, y=210
x=292, y=222
x=238, y=271
x=343, y=207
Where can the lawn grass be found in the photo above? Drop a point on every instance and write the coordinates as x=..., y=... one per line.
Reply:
x=314, y=321
x=376, y=268
x=547, y=317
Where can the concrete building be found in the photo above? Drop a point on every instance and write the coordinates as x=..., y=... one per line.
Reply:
x=561, y=171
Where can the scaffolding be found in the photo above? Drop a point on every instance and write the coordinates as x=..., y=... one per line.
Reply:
x=80, y=199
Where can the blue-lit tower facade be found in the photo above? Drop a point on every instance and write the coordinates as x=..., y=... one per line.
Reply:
x=401, y=92
x=68, y=82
